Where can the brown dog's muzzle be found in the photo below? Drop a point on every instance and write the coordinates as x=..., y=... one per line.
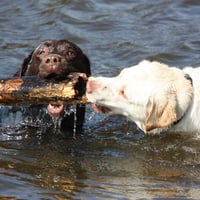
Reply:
x=51, y=64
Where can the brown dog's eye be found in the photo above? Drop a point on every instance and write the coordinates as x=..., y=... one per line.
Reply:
x=122, y=93
x=41, y=52
x=71, y=54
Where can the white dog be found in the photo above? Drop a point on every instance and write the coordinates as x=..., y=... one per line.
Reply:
x=156, y=97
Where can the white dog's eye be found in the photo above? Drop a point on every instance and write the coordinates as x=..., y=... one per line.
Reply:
x=105, y=87
x=122, y=93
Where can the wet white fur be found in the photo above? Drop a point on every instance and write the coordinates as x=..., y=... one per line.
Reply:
x=152, y=95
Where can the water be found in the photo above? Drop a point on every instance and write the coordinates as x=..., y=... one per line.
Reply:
x=111, y=159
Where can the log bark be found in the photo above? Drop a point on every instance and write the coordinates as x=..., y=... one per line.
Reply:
x=32, y=90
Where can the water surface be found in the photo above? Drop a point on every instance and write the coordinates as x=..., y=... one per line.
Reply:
x=111, y=158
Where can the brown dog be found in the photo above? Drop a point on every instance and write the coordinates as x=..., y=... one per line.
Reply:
x=54, y=60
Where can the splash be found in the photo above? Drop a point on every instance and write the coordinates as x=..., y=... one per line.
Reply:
x=72, y=110
x=75, y=121
x=69, y=111
x=57, y=122
x=15, y=122
x=18, y=120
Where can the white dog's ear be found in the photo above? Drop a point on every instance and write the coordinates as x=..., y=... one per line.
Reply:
x=160, y=114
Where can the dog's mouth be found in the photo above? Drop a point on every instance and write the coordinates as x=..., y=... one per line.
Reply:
x=100, y=108
x=55, y=110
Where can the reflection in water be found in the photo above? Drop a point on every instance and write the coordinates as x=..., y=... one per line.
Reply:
x=113, y=159
x=105, y=165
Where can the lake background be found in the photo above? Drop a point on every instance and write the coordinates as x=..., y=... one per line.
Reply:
x=112, y=159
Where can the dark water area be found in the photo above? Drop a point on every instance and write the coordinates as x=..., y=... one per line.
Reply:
x=111, y=158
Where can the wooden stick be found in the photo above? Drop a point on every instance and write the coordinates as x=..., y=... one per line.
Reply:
x=32, y=90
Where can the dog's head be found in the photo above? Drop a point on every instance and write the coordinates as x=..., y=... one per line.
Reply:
x=151, y=94
x=55, y=59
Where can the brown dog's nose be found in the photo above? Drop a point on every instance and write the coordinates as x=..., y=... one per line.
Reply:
x=52, y=63
x=53, y=59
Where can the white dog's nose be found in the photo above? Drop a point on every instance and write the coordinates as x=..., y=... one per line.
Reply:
x=92, y=85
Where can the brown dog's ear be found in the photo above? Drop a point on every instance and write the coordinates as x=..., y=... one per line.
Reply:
x=25, y=64
x=87, y=65
x=160, y=114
